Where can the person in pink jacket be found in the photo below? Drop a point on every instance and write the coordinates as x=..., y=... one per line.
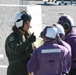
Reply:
x=61, y=32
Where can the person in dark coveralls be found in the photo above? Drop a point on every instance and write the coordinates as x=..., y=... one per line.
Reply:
x=70, y=37
x=59, y=40
x=19, y=45
x=49, y=58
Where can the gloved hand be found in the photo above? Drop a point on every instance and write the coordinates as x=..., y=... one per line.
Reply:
x=32, y=38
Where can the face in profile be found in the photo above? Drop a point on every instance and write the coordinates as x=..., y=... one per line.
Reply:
x=26, y=26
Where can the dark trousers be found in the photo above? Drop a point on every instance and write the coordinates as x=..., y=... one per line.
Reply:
x=18, y=68
x=72, y=72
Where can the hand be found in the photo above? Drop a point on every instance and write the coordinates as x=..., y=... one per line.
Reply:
x=32, y=38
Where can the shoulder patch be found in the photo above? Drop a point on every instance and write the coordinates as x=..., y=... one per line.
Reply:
x=11, y=38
